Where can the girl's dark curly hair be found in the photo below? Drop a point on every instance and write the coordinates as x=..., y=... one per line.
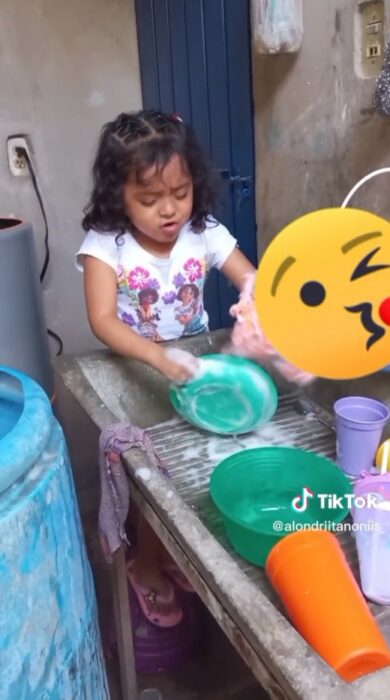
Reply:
x=130, y=145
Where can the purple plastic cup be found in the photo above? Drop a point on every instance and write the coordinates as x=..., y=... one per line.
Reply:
x=359, y=426
x=371, y=519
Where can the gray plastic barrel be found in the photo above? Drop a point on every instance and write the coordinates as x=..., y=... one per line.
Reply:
x=50, y=646
x=23, y=337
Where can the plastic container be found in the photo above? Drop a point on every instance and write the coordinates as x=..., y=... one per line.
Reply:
x=310, y=573
x=359, y=425
x=50, y=641
x=277, y=27
x=159, y=650
x=254, y=491
x=24, y=343
x=372, y=536
x=230, y=395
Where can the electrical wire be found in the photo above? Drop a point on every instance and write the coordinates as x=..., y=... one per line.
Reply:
x=58, y=340
x=361, y=182
x=22, y=153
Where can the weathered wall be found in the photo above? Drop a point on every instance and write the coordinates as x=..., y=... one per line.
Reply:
x=316, y=131
x=65, y=69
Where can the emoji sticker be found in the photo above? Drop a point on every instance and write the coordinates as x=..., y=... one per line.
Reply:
x=323, y=293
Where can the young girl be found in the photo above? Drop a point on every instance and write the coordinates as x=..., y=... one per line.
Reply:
x=151, y=238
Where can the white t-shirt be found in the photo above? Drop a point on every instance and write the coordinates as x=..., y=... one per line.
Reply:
x=162, y=298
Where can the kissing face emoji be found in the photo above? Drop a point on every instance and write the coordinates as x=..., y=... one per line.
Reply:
x=323, y=293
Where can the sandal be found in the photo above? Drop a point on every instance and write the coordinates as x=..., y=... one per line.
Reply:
x=175, y=574
x=161, y=610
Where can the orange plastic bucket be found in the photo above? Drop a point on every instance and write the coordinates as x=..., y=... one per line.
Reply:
x=309, y=571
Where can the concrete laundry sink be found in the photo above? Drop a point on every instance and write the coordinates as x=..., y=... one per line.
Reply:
x=98, y=388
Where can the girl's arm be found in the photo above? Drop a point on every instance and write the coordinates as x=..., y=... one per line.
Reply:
x=236, y=268
x=101, y=302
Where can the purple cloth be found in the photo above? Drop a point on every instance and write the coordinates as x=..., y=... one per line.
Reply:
x=114, y=502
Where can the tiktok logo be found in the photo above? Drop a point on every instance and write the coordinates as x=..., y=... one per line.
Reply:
x=299, y=503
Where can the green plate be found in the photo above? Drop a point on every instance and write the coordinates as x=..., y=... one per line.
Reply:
x=230, y=395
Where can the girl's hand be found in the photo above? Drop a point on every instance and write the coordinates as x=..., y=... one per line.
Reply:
x=249, y=340
x=174, y=371
x=175, y=364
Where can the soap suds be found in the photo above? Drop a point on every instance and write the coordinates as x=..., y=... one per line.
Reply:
x=144, y=474
x=185, y=359
x=191, y=453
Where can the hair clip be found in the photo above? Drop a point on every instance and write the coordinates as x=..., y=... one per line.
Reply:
x=176, y=118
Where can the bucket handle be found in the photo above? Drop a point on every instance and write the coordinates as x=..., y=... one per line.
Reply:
x=362, y=182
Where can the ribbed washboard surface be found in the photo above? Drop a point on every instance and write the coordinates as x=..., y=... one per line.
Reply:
x=191, y=455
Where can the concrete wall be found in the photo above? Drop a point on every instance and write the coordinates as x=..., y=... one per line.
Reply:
x=65, y=69
x=316, y=131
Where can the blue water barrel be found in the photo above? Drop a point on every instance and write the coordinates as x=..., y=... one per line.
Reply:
x=50, y=645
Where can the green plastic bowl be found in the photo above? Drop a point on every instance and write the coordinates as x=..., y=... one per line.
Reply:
x=231, y=395
x=254, y=490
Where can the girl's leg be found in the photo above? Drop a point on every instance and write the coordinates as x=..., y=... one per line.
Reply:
x=147, y=560
x=154, y=590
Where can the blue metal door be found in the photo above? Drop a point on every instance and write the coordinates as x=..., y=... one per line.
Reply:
x=195, y=59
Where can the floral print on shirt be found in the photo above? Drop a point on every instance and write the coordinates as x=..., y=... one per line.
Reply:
x=142, y=291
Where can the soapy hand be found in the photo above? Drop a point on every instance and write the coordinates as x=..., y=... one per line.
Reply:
x=248, y=339
x=178, y=365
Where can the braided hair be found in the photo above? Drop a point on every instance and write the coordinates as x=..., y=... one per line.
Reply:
x=128, y=146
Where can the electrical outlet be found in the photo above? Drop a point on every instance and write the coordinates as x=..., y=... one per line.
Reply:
x=17, y=163
x=369, y=51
